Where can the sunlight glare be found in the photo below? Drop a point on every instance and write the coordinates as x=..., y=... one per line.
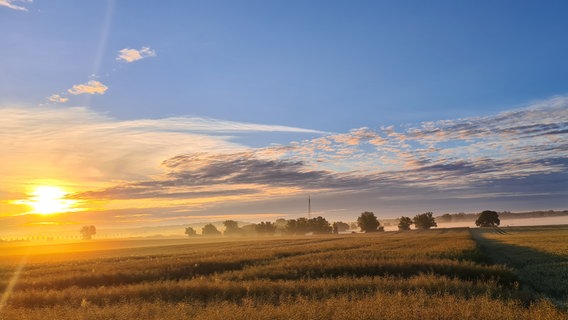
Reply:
x=49, y=200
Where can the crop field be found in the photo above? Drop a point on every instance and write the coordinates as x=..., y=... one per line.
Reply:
x=436, y=274
x=538, y=255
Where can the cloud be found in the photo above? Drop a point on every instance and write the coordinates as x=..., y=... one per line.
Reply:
x=239, y=169
x=187, y=166
x=80, y=145
x=131, y=55
x=210, y=178
x=91, y=87
x=200, y=124
x=55, y=98
x=358, y=136
x=10, y=4
x=246, y=173
x=498, y=158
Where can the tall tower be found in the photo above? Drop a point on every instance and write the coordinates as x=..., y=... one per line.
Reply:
x=309, y=207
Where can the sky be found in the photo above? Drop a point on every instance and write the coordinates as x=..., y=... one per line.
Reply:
x=129, y=113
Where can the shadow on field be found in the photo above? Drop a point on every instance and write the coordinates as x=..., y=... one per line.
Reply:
x=539, y=272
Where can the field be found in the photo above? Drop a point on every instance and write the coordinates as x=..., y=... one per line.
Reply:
x=436, y=274
x=538, y=255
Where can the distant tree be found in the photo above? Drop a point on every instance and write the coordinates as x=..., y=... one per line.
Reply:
x=265, y=228
x=210, y=230
x=281, y=224
x=302, y=226
x=488, y=218
x=190, y=232
x=249, y=229
x=460, y=216
x=424, y=221
x=404, y=223
x=231, y=227
x=318, y=225
x=446, y=217
x=291, y=226
x=368, y=222
x=88, y=232
x=340, y=227
x=297, y=226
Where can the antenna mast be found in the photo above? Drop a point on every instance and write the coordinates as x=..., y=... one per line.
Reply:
x=309, y=207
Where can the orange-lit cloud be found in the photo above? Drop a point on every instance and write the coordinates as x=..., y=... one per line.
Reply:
x=131, y=55
x=55, y=98
x=91, y=87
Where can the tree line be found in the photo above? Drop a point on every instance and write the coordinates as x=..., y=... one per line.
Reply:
x=367, y=222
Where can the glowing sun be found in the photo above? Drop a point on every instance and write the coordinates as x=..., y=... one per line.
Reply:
x=50, y=200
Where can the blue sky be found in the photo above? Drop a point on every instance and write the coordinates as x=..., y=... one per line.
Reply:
x=327, y=66
x=349, y=88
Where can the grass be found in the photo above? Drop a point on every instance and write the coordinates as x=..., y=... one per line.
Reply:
x=437, y=274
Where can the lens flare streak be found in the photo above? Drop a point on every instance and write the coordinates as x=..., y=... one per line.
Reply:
x=13, y=281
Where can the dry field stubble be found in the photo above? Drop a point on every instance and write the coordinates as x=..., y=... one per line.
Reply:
x=437, y=274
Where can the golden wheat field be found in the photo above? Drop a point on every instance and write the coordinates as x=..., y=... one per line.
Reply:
x=435, y=274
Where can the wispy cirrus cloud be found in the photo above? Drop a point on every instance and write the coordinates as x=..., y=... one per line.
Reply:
x=11, y=4
x=91, y=87
x=201, y=124
x=79, y=144
x=131, y=55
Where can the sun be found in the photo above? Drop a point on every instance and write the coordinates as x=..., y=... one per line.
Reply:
x=49, y=200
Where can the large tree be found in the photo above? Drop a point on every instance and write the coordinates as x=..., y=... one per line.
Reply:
x=488, y=218
x=340, y=226
x=319, y=225
x=190, y=232
x=88, y=232
x=210, y=230
x=291, y=226
x=280, y=224
x=297, y=226
x=304, y=225
x=231, y=227
x=265, y=227
x=249, y=229
x=424, y=221
x=368, y=222
x=404, y=223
